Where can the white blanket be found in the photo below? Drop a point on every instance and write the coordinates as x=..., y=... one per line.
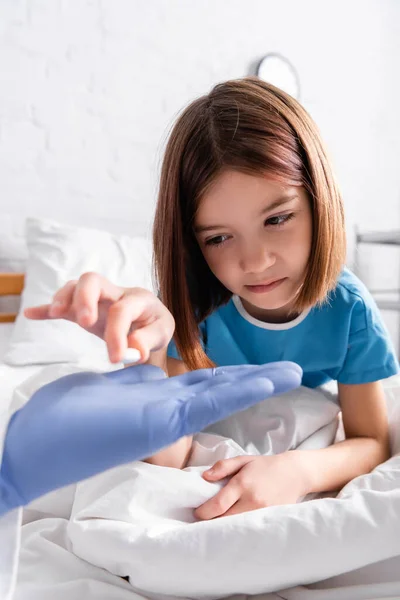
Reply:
x=137, y=521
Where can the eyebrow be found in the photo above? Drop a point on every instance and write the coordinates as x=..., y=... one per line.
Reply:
x=276, y=204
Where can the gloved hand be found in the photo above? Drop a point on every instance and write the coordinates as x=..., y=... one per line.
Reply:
x=85, y=423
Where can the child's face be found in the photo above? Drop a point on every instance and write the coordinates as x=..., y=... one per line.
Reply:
x=258, y=249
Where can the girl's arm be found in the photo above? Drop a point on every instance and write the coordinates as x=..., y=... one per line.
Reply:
x=259, y=481
x=177, y=455
x=171, y=366
x=366, y=444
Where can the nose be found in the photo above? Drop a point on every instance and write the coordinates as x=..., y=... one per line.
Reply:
x=256, y=257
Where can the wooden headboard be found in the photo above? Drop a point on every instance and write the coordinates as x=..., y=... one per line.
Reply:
x=11, y=284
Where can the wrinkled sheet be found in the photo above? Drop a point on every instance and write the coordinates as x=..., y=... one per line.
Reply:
x=137, y=521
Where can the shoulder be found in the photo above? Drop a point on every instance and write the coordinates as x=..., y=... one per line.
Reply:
x=350, y=288
x=352, y=297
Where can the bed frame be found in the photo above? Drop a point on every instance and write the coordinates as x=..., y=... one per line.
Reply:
x=11, y=284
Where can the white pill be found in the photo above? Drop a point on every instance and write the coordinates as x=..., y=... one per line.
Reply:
x=131, y=356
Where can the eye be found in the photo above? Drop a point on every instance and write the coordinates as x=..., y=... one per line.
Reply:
x=279, y=220
x=218, y=240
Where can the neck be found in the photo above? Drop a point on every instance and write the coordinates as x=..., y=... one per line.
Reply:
x=284, y=314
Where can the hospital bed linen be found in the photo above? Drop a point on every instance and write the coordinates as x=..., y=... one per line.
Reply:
x=136, y=521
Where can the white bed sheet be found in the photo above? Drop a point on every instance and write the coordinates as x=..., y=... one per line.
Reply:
x=51, y=568
x=5, y=333
x=11, y=377
x=376, y=581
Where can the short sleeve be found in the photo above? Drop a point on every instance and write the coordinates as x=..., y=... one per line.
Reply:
x=370, y=355
x=172, y=351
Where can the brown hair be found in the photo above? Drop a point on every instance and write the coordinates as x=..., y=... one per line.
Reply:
x=250, y=126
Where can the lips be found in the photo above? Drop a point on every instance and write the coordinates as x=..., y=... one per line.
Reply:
x=263, y=283
x=261, y=288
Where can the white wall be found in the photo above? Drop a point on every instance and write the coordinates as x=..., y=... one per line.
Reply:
x=89, y=88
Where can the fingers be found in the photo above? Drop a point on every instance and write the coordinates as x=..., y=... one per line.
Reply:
x=38, y=313
x=89, y=290
x=205, y=379
x=199, y=409
x=124, y=318
x=62, y=300
x=221, y=374
x=120, y=316
x=141, y=322
x=286, y=374
x=78, y=300
x=269, y=368
x=232, y=499
x=241, y=506
x=59, y=306
x=136, y=374
x=226, y=468
x=151, y=337
x=220, y=503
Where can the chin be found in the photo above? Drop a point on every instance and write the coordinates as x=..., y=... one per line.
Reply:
x=268, y=303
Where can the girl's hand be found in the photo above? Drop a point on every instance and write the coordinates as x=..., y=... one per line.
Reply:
x=122, y=317
x=257, y=482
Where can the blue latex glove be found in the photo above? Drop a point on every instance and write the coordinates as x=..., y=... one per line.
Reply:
x=85, y=423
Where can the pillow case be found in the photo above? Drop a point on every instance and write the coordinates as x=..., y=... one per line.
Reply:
x=56, y=254
x=13, y=250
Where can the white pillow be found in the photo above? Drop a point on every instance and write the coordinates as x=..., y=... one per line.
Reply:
x=13, y=250
x=58, y=253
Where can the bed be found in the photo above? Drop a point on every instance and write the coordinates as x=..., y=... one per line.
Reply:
x=83, y=541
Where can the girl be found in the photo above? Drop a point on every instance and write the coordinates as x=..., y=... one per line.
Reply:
x=249, y=248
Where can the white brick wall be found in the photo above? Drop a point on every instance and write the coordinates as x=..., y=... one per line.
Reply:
x=89, y=89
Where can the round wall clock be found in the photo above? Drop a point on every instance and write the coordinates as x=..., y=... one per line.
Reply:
x=278, y=70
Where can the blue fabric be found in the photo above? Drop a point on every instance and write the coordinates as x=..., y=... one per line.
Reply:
x=343, y=340
x=85, y=423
